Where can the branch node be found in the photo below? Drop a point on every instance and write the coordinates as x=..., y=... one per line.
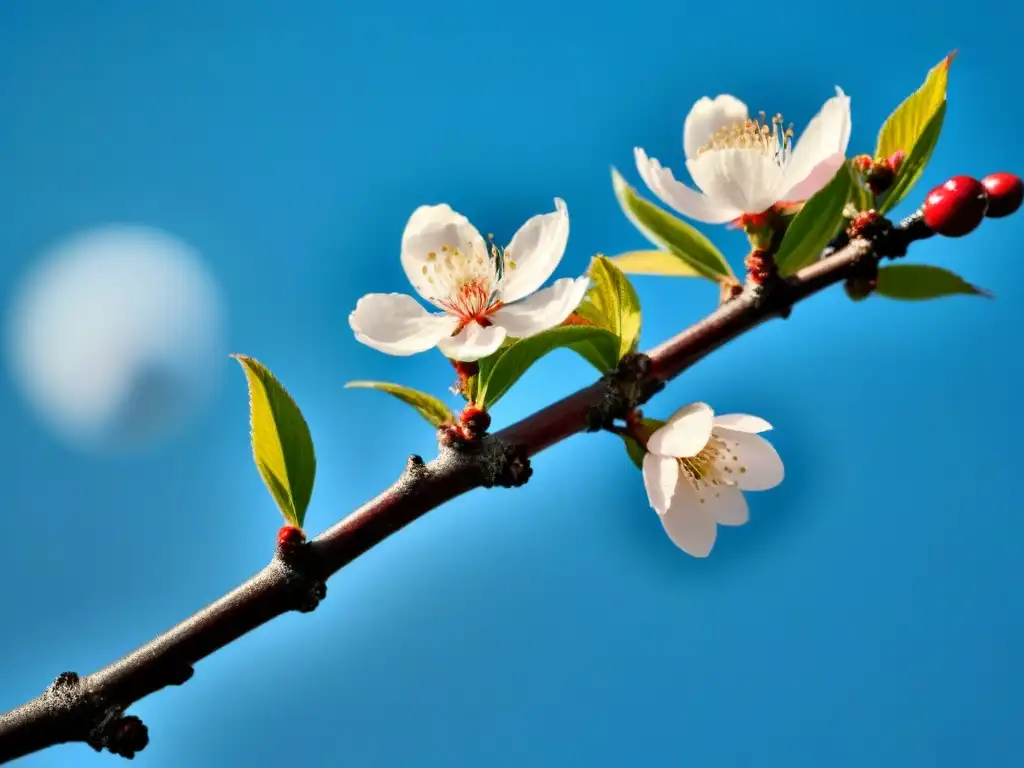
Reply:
x=495, y=462
x=304, y=587
x=87, y=717
x=120, y=735
x=414, y=467
x=631, y=384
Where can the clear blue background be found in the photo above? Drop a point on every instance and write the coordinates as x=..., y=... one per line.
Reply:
x=868, y=615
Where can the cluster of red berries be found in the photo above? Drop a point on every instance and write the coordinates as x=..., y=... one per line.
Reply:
x=955, y=208
x=879, y=174
x=472, y=425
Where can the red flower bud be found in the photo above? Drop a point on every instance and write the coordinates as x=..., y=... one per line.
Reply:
x=955, y=208
x=290, y=538
x=895, y=160
x=475, y=422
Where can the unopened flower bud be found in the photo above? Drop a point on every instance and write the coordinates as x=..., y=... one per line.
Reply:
x=895, y=160
x=475, y=422
x=863, y=163
x=289, y=539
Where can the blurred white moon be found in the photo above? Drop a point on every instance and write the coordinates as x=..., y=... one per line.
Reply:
x=116, y=335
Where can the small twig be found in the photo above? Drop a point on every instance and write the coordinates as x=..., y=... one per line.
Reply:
x=91, y=709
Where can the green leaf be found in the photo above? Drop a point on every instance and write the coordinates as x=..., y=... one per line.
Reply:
x=614, y=300
x=912, y=125
x=663, y=263
x=428, y=406
x=915, y=162
x=503, y=369
x=281, y=444
x=861, y=197
x=905, y=125
x=670, y=233
x=914, y=282
x=602, y=351
x=819, y=221
x=634, y=450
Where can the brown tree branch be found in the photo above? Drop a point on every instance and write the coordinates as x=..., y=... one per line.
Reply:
x=91, y=709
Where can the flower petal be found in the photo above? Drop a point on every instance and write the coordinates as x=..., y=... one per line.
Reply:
x=685, y=433
x=827, y=135
x=397, y=324
x=756, y=465
x=690, y=524
x=707, y=116
x=728, y=505
x=534, y=252
x=542, y=310
x=660, y=477
x=742, y=178
x=742, y=422
x=430, y=230
x=473, y=342
x=675, y=194
x=819, y=176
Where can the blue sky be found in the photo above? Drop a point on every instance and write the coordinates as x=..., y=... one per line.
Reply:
x=864, y=616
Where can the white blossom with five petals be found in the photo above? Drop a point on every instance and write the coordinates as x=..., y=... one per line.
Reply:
x=745, y=166
x=697, y=467
x=485, y=294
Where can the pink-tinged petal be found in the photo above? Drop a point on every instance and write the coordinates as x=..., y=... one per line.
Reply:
x=742, y=422
x=685, y=434
x=707, y=116
x=432, y=229
x=660, y=478
x=819, y=176
x=827, y=135
x=397, y=324
x=742, y=178
x=755, y=464
x=473, y=343
x=728, y=505
x=534, y=252
x=690, y=524
x=676, y=195
x=542, y=310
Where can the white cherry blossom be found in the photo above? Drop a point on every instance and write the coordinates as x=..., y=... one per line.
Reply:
x=697, y=467
x=743, y=165
x=485, y=294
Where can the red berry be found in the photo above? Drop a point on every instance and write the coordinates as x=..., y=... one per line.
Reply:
x=955, y=208
x=1005, y=194
x=895, y=160
x=290, y=538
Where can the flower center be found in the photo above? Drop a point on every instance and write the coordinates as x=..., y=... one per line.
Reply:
x=767, y=137
x=465, y=284
x=712, y=467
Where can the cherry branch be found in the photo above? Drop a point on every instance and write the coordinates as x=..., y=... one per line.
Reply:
x=91, y=709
